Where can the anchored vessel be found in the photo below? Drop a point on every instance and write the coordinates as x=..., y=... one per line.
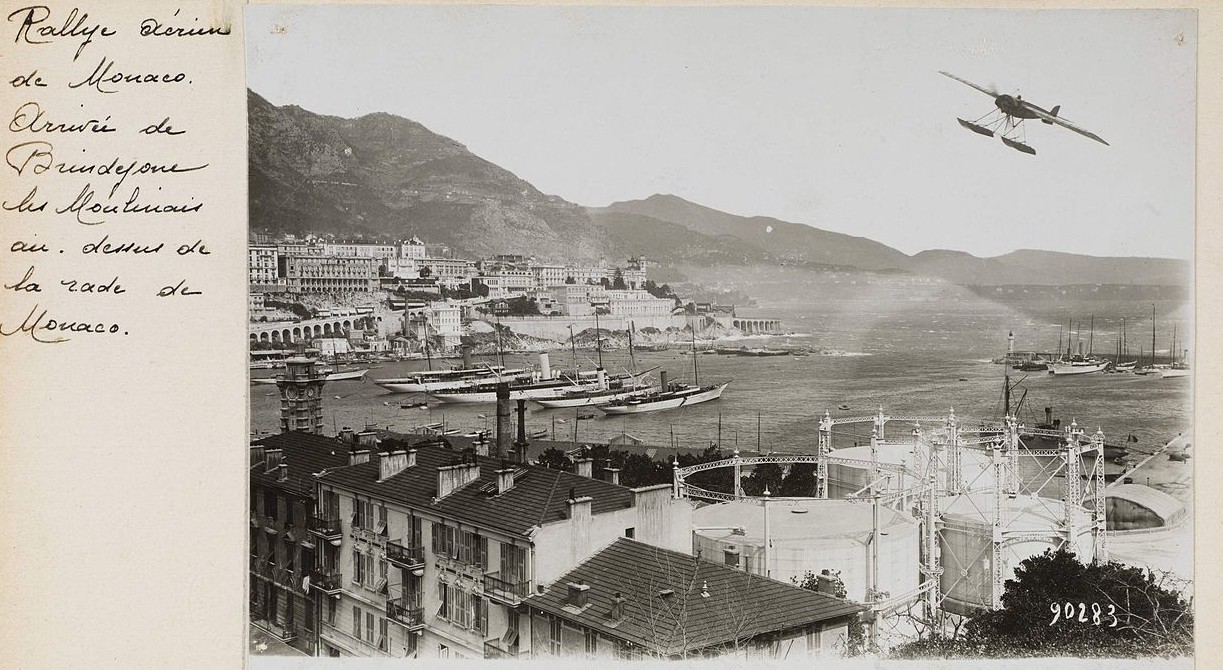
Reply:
x=427, y=381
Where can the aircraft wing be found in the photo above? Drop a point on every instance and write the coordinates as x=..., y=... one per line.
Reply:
x=1046, y=116
x=986, y=91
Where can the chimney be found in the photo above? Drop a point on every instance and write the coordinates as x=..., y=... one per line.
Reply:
x=411, y=459
x=577, y=595
x=481, y=445
x=613, y=475
x=282, y=474
x=503, y=420
x=451, y=478
x=391, y=464
x=505, y=480
x=367, y=439
x=1049, y=415
x=347, y=435
x=358, y=457
x=579, y=509
x=258, y=454
x=584, y=466
x=731, y=556
x=616, y=614
x=271, y=459
x=521, y=444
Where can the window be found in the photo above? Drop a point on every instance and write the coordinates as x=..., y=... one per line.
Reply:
x=382, y=637
x=289, y=510
x=356, y=622
x=554, y=635
x=416, y=532
x=362, y=517
x=369, y=627
x=358, y=567
x=382, y=526
x=331, y=607
x=513, y=563
x=331, y=505
x=630, y=533
x=592, y=642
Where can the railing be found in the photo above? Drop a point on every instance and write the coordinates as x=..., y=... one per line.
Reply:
x=327, y=528
x=327, y=582
x=492, y=649
x=406, y=612
x=510, y=592
x=408, y=557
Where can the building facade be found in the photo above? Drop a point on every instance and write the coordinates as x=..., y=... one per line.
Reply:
x=431, y=553
x=328, y=274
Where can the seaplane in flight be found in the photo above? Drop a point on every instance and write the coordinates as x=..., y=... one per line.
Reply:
x=1008, y=117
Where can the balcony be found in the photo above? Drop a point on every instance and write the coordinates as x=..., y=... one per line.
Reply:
x=327, y=528
x=504, y=591
x=329, y=582
x=406, y=612
x=412, y=558
x=494, y=649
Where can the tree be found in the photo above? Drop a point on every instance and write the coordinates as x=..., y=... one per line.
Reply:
x=605, y=282
x=426, y=272
x=555, y=459
x=765, y=475
x=1104, y=610
x=570, y=280
x=800, y=481
x=618, y=280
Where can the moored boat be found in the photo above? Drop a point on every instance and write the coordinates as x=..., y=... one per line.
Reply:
x=680, y=395
x=427, y=381
x=1077, y=366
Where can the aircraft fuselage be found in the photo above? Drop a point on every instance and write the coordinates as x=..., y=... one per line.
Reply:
x=1011, y=106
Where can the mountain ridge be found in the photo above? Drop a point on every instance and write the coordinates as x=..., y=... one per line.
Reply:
x=382, y=175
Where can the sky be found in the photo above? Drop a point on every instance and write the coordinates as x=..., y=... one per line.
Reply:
x=832, y=117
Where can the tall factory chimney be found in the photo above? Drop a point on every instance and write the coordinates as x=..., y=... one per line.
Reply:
x=503, y=419
x=520, y=444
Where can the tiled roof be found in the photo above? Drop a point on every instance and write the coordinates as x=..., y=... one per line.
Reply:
x=538, y=496
x=305, y=453
x=739, y=605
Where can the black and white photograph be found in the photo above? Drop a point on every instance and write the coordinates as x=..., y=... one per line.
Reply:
x=730, y=333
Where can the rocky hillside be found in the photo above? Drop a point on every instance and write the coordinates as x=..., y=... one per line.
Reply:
x=383, y=174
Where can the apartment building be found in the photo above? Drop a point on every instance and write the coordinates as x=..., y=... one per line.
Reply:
x=282, y=552
x=328, y=274
x=429, y=552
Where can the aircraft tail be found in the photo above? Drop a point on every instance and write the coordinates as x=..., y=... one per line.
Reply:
x=1052, y=112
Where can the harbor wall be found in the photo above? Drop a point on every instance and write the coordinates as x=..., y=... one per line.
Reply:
x=557, y=327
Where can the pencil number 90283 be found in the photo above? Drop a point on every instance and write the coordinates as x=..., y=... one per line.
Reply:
x=1093, y=614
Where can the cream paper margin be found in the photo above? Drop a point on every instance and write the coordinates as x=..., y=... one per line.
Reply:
x=123, y=471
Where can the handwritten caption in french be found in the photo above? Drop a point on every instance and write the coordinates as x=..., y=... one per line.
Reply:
x=103, y=166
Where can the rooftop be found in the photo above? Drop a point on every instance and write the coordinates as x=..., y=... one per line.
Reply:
x=539, y=495
x=675, y=603
x=305, y=454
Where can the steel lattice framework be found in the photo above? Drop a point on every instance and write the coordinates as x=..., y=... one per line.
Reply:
x=936, y=479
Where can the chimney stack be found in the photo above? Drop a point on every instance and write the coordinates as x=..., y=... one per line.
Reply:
x=411, y=459
x=368, y=438
x=577, y=595
x=613, y=475
x=505, y=480
x=616, y=615
x=480, y=444
x=347, y=435
x=451, y=478
x=579, y=509
x=503, y=419
x=391, y=464
x=282, y=474
x=584, y=466
x=358, y=457
x=521, y=444
x=271, y=459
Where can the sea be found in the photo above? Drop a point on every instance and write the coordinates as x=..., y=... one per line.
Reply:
x=909, y=346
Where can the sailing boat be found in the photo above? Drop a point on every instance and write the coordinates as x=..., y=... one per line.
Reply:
x=1150, y=367
x=669, y=396
x=609, y=389
x=1123, y=351
x=1078, y=364
x=1178, y=368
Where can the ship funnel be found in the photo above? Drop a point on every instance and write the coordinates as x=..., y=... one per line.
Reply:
x=545, y=366
x=602, y=379
x=466, y=358
x=662, y=379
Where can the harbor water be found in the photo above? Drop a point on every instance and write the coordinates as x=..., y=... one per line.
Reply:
x=910, y=347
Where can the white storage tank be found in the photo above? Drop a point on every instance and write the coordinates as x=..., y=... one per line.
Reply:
x=812, y=535
x=966, y=542
x=845, y=479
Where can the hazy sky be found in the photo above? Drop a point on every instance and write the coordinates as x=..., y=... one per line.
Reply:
x=836, y=118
